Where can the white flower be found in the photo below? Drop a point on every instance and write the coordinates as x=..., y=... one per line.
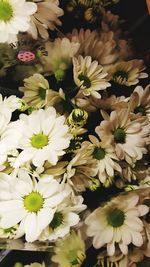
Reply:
x=44, y=137
x=105, y=157
x=89, y=76
x=14, y=17
x=30, y=204
x=64, y=218
x=117, y=222
x=127, y=135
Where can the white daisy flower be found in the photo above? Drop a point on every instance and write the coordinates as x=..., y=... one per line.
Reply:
x=117, y=222
x=89, y=76
x=30, y=204
x=106, y=161
x=127, y=135
x=64, y=218
x=44, y=137
x=14, y=17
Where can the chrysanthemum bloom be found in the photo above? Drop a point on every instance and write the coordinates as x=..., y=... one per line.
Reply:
x=117, y=222
x=65, y=217
x=35, y=90
x=127, y=72
x=44, y=137
x=89, y=76
x=102, y=47
x=126, y=135
x=14, y=17
x=46, y=17
x=70, y=251
x=29, y=203
x=80, y=170
x=60, y=54
x=142, y=105
x=106, y=161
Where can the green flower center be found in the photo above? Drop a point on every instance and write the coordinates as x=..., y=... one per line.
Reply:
x=141, y=110
x=99, y=153
x=85, y=79
x=120, y=76
x=33, y=202
x=39, y=140
x=6, y=11
x=57, y=220
x=116, y=217
x=119, y=135
x=42, y=93
x=60, y=75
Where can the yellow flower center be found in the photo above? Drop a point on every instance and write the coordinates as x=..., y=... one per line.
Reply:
x=33, y=202
x=39, y=140
x=6, y=11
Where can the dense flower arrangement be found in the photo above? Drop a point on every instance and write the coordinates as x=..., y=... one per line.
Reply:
x=74, y=133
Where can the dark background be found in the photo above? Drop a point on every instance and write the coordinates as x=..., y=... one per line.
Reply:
x=136, y=27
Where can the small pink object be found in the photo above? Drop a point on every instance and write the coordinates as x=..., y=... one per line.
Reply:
x=26, y=56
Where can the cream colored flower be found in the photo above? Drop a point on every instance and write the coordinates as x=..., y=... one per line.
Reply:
x=127, y=72
x=80, y=170
x=126, y=135
x=46, y=17
x=60, y=54
x=106, y=161
x=142, y=105
x=35, y=89
x=117, y=222
x=70, y=251
x=89, y=76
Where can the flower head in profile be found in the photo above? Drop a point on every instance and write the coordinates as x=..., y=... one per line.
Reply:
x=29, y=203
x=60, y=54
x=44, y=137
x=128, y=136
x=15, y=16
x=142, y=105
x=46, y=17
x=127, y=72
x=35, y=90
x=89, y=76
x=70, y=251
x=117, y=222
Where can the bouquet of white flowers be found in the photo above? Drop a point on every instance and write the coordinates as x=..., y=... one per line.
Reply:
x=74, y=133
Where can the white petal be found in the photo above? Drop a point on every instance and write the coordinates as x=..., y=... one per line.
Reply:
x=31, y=227
x=11, y=218
x=111, y=249
x=44, y=217
x=123, y=248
